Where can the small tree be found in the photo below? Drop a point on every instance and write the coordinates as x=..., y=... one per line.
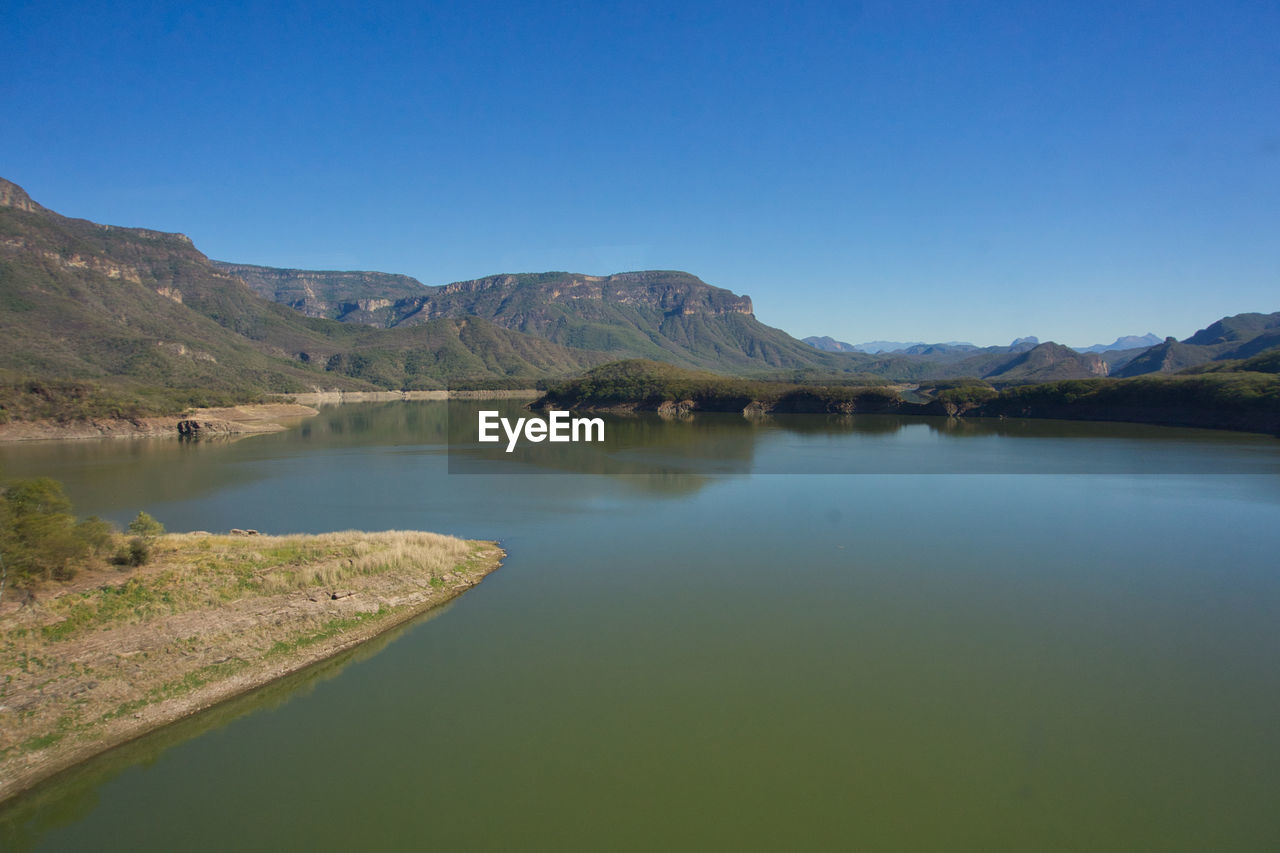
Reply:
x=40, y=538
x=143, y=531
x=95, y=533
x=145, y=527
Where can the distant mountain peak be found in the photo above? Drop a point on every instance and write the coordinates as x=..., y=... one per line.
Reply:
x=1125, y=342
x=826, y=343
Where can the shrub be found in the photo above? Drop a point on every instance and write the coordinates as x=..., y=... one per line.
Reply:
x=145, y=527
x=38, y=535
x=135, y=552
x=40, y=539
x=139, y=551
x=96, y=533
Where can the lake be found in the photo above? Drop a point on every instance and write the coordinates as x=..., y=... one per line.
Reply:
x=714, y=633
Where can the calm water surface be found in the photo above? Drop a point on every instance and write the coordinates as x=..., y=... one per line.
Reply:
x=978, y=636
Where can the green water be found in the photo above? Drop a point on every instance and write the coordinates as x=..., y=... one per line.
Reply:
x=980, y=636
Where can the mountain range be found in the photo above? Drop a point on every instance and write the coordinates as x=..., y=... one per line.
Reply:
x=665, y=315
x=829, y=344
x=1125, y=342
x=84, y=301
x=142, y=308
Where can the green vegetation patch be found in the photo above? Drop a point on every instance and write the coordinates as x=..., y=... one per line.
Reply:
x=648, y=384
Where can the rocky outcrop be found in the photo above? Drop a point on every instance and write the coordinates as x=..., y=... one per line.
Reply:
x=12, y=195
x=195, y=428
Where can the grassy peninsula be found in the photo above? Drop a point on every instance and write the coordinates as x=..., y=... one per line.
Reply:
x=115, y=651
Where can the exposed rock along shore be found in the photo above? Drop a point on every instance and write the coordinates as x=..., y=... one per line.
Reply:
x=235, y=420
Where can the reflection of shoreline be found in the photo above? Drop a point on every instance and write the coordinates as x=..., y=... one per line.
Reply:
x=69, y=794
x=696, y=446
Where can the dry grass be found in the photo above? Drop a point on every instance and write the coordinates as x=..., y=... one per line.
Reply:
x=282, y=563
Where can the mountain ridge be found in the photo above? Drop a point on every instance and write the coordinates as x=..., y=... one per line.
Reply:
x=668, y=315
x=83, y=300
x=86, y=301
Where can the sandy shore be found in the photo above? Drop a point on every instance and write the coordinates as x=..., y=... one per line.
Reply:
x=328, y=397
x=236, y=420
x=112, y=655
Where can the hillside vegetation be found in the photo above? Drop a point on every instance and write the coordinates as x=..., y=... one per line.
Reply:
x=638, y=384
x=1227, y=400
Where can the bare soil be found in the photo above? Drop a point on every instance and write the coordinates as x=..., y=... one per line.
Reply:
x=236, y=420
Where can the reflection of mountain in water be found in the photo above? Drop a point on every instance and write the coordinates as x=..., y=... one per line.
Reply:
x=650, y=453
x=650, y=450
x=707, y=444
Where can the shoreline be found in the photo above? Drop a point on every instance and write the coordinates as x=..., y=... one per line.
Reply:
x=1259, y=423
x=321, y=398
x=278, y=635
x=248, y=419
x=230, y=421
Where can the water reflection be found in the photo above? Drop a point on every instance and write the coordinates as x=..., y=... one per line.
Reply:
x=717, y=444
x=653, y=454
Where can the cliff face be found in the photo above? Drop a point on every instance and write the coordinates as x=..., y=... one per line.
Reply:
x=668, y=293
x=12, y=195
x=360, y=297
x=387, y=300
x=660, y=314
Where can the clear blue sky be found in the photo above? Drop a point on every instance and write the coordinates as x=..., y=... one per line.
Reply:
x=889, y=170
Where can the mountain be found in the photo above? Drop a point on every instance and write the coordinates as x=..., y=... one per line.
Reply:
x=146, y=309
x=665, y=315
x=948, y=350
x=1239, y=328
x=1118, y=359
x=1007, y=366
x=1235, y=337
x=1267, y=361
x=1125, y=342
x=142, y=308
x=1171, y=356
x=830, y=344
x=1043, y=363
x=891, y=347
x=876, y=347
